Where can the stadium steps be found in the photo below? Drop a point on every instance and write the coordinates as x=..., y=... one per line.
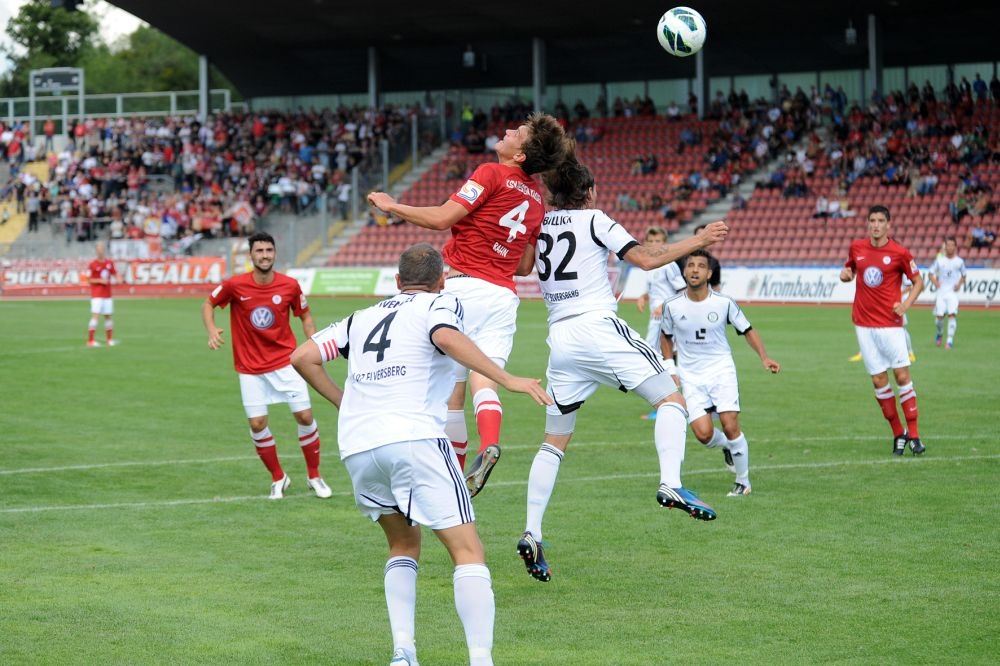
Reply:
x=18, y=222
x=342, y=235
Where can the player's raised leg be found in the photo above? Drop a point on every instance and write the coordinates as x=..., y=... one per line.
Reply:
x=489, y=416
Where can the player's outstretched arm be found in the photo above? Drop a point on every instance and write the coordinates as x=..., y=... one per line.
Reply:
x=648, y=257
x=308, y=362
x=429, y=217
x=215, y=339
x=458, y=346
x=753, y=339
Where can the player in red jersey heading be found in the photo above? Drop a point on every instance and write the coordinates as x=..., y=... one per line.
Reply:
x=880, y=264
x=260, y=307
x=102, y=273
x=494, y=218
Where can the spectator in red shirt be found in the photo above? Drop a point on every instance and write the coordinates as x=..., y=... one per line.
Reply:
x=49, y=130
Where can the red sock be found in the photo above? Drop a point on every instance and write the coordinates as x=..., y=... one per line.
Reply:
x=461, y=449
x=268, y=452
x=489, y=414
x=107, y=332
x=887, y=401
x=309, y=443
x=90, y=335
x=908, y=403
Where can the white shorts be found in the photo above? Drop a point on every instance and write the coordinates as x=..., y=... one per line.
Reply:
x=420, y=480
x=281, y=385
x=720, y=391
x=946, y=303
x=597, y=348
x=102, y=306
x=490, y=317
x=883, y=348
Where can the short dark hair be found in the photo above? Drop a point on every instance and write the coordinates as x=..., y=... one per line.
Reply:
x=700, y=252
x=547, y=146
x=880, y=209
x=713, y=265
x=260, y=237
x=420, y=265
x=656, y=231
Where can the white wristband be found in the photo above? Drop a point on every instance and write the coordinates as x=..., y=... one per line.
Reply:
x=669, y=364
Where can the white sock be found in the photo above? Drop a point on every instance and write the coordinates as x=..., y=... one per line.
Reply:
x=308, y=433
x=262, y=439
x=741, y=458
x=541, y=481
x=952, y=325
x=718, y=439
x=457, y=431
x=476, y=609
x=940, y=326
x=401, y=600
x=668, y=435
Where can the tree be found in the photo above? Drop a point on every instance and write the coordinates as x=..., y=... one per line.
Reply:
x=147, y=60
x=45, y=37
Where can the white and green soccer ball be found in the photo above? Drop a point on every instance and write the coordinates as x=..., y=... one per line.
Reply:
x=681, y=31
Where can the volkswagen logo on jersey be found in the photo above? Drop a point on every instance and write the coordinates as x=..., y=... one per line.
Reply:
x=262, y=317
x=873, y=276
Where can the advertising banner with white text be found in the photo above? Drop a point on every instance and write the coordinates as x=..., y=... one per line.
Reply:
x=136, y=277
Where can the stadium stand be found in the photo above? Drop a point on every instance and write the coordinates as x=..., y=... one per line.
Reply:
x=649, y=169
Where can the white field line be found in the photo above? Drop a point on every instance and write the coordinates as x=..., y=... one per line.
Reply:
x=507, y=447
x=581, y=479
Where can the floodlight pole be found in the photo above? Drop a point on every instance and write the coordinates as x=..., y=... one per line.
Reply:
x=203, y=88
x=538, y=72
x=874, y=57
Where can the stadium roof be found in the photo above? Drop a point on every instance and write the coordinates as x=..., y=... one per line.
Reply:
x=321, y=46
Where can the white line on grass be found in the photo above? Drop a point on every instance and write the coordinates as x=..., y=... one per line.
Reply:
x=122, y=463
x=507, y=447
x=581, y=479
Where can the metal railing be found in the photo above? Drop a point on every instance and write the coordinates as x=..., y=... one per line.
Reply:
x=62, y=108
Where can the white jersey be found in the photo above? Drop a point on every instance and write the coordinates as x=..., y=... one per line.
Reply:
x=949, y=272
x=698, y=329
x=664, y=283
x=572, y=261
x=398, y=383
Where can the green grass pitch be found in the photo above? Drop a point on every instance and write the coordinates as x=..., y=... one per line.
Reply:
x=134, y=527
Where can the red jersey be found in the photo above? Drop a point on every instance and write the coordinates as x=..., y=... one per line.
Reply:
x=505, y=215
x=102, y=269
x=879, y=275
x=259, y=316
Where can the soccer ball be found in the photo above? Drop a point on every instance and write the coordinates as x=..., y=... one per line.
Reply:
x=681, y=31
